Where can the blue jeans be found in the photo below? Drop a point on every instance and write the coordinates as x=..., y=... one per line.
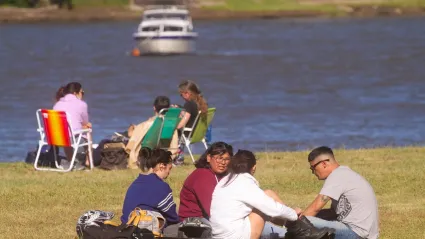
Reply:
x=342, y=231
x=270, y=227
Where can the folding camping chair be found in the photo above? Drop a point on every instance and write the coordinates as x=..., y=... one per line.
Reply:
x=162, y=129
x=55, y=130
x=198, y=131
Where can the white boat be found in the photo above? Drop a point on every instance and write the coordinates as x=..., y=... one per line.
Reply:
x=166, y=30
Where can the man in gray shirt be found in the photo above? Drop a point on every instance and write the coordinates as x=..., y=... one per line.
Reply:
x=354, y=209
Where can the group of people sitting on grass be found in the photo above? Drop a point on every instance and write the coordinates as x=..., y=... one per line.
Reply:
x=70, y=98
x=222, y=192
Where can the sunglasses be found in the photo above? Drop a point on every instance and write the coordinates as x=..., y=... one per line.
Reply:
x=313, y=167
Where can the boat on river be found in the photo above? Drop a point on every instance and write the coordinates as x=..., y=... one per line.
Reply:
x=165, y=30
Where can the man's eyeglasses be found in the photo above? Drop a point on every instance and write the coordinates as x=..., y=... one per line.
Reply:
x=313, y=167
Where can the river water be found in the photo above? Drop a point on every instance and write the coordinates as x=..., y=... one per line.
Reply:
x=288, y=84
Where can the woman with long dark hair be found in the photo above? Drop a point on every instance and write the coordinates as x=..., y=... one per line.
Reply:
x=69, y=98
x=239, y=208
x=195, y=196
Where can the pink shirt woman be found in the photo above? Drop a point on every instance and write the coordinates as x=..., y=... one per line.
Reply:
x=70, y=99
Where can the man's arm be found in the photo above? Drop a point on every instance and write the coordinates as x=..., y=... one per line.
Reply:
x=327, y=214
x=316, y=205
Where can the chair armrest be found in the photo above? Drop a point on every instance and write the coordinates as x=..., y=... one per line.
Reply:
x=82, y=131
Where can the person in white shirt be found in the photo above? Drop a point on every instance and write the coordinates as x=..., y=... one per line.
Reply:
x=240, y=208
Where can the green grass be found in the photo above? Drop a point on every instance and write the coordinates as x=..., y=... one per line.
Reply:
x=100, y=3
x=270, y=5
x=405, y=3
x=78, y=3
x=295, y=5
x=47, y=205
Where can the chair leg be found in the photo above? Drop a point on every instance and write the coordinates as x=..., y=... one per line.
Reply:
x=37, y=157
x=58, y=169
x=190, y=151
x=90, y=149
x=56, y=156
x=205, y=143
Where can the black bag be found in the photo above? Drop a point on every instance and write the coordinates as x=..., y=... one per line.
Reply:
x=97, y=152
x=106, y=231
x=94, y=225
x=113, y=156
x=47, y=157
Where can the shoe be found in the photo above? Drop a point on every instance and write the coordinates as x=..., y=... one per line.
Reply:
x=331, y=231
x=179, y=160
x=78, y=166
x=64, y=164
x=304, y=229
x=177, y=163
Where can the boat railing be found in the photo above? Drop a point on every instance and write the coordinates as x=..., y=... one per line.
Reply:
x=144, y=3
x=157, y=7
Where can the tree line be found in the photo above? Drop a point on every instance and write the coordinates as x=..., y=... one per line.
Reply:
x=35, y=3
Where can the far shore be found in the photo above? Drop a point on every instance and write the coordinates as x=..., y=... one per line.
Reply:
x=86, y=14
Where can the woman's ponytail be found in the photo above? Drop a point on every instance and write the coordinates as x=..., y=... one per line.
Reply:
x=60, y=93
x=144, y=156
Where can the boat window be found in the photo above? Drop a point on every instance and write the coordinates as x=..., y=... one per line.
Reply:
x=176, y=16
x=151, y=29
x=172, y=29
x=153, y=16
x=165, y=16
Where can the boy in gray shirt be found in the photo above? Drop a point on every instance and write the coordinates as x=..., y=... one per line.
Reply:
x=354, y=209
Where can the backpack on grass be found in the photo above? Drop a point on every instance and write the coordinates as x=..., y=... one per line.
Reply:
x=142, y=224
x=113, y=156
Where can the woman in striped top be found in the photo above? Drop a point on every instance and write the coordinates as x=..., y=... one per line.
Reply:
x=149, y=191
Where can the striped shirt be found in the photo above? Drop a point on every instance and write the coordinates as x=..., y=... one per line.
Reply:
x=149, y=192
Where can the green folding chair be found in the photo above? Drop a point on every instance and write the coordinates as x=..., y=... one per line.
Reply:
x=162, y=129
x=198, y=131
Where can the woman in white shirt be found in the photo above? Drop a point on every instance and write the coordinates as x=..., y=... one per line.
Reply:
x=239, y=208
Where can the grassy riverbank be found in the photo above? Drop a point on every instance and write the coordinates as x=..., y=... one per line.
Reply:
x=47, y=205
x=259, y=5
x=102, y=10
